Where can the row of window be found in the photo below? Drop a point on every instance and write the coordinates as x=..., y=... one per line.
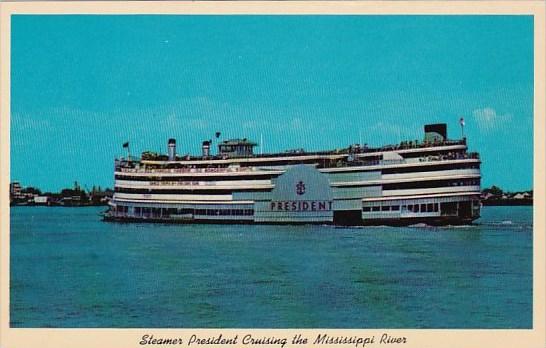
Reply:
x=224, y=212
x=431, y=184
x=430, y=168
x=186, y=191
x=423, y=208
x=195, y=178
x=382, y=208
x=434, y=152
x=413, y=208
x=166, y=212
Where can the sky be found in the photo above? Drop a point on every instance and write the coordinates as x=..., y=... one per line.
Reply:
x=82, y=85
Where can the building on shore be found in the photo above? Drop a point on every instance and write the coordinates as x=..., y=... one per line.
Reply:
x=495, y=196
x=69, y=197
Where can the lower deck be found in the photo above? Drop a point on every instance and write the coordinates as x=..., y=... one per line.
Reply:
x=304, y=195
x=432, y=211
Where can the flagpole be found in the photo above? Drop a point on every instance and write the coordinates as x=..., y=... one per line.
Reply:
x=126, y=145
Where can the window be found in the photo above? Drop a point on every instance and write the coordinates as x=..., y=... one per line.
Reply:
x=376, y=208
x=449, y=208
x=366, y=209
x=395, y=207
x=386, y=208
x=430, y=207
x=435, y=207
x=423, y=208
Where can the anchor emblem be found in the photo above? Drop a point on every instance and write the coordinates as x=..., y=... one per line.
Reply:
x=300, y=188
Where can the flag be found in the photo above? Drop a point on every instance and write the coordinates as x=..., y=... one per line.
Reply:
x=126, y=144
x=461, y=121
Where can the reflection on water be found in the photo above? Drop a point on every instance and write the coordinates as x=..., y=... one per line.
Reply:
x=70, y=269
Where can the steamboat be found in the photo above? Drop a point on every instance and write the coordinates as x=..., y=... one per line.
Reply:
x=435, y=181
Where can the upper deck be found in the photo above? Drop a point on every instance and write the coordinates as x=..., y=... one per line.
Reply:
x=238, y=153
x=372, y=160
x=362, y=151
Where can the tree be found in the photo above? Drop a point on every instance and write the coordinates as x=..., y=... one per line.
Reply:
x=494, y=190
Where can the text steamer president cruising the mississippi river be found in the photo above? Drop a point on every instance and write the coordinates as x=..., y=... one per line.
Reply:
x=436, y=181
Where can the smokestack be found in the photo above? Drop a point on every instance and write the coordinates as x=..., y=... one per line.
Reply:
x=436, y=132
x=206, y=148
x=172, y=149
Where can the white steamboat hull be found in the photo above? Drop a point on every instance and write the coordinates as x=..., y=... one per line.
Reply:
x=388, y=193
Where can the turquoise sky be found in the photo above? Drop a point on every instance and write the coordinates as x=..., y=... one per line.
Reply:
x=83, y=85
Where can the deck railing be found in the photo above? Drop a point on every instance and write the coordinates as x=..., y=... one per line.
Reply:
x=185, y=170
x=320, y=164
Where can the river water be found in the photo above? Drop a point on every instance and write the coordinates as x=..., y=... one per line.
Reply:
x=70, y=269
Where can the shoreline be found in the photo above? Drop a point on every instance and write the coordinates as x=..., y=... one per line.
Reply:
x=58, y=205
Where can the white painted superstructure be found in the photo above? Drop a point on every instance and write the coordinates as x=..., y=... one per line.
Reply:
x=435, y=181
